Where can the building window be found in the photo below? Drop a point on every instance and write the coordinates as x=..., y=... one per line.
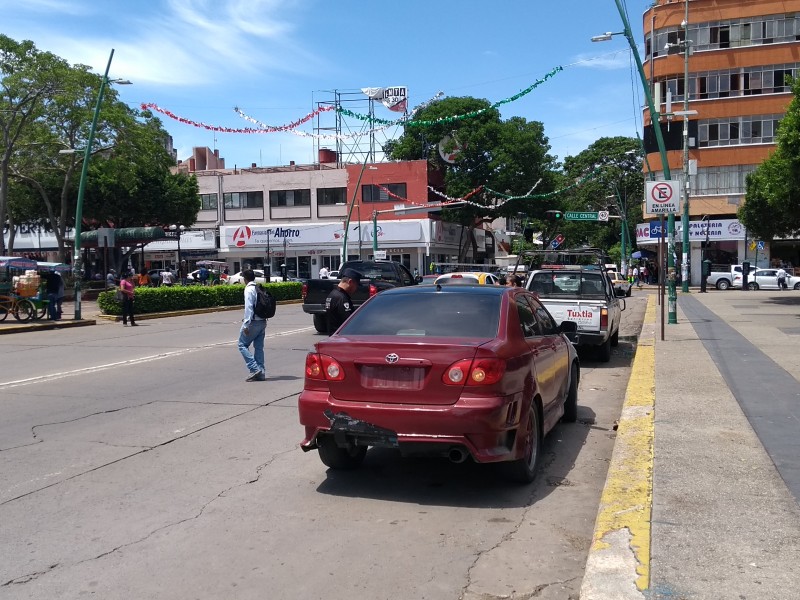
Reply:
x=385, y=192
x=734, y=131
x=330, y=196
x=243, y=200
x=289, y=198
x=208, y=202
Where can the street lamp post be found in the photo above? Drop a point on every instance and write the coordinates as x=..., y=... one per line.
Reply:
x=654, y=121
x=77, y=259
x=178, y=230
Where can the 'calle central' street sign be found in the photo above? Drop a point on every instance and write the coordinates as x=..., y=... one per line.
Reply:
x=581, y=216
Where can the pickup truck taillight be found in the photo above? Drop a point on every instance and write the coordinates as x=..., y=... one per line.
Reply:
x=372, y=290
x=603, y=318
x=304, y=292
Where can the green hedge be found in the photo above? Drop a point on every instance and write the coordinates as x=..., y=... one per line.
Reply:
x=165, y=299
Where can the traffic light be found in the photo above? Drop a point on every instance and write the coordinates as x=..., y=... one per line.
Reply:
x=554, y=216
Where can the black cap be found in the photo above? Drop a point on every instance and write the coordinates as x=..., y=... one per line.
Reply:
x=351, y=274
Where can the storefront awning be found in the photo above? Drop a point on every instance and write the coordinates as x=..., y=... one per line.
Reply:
x=126, y=236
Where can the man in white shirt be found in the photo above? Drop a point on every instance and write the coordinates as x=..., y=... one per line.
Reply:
x=323, y=273
x=781, y=275
x=252, y=331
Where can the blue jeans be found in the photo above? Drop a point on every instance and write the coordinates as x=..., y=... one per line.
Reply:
x=52, y=306
x=254, y=336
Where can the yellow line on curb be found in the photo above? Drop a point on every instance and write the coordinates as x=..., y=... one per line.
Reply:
x=626, y=502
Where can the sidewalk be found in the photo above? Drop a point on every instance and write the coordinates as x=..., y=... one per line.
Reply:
x=701, y=499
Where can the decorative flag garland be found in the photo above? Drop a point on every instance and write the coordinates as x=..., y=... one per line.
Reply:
x=406, y=121
x=287, y=127
x=452, y=118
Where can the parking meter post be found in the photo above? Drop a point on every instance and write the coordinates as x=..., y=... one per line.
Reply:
x=745, y=275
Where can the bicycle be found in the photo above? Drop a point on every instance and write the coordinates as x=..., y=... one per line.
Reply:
x=22, y=308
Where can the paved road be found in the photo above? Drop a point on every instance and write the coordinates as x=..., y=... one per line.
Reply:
x=137, y=463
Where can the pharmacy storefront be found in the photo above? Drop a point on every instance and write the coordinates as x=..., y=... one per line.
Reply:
x=722, y=241
x=305, y=248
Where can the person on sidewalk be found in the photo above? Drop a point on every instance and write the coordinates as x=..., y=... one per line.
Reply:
x=52, y=294
x=144, y=279
x=128, y=292
x=252, y=331
x=781, y=274
x=60, y=295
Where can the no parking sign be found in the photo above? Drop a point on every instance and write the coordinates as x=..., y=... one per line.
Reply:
x=663, y=197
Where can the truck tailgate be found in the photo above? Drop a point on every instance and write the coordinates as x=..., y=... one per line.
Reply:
x=586, y=313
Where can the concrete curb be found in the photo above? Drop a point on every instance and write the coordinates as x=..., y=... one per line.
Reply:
x=45, y=325
x=618, y=566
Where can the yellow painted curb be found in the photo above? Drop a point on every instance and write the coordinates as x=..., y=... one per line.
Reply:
x=622, y=529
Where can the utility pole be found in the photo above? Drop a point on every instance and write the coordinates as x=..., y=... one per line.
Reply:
x=685, y=216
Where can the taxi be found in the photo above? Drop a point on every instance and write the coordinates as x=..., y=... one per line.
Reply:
x=468, y=278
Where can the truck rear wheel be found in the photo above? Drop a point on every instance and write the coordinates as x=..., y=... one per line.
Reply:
x=321, y=323
x=604, y=351
x=723, y=284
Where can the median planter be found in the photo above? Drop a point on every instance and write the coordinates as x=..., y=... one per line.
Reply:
x=189, y=297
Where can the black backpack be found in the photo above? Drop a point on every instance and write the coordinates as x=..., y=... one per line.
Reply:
x=265, y=303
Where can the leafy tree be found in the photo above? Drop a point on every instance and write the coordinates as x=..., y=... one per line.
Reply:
x=28, y=80
x=772, y=206
x=617, y=185
x=510, y=157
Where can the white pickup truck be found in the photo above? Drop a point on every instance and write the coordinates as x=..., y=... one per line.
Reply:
x=584, y=295
x=724, y=280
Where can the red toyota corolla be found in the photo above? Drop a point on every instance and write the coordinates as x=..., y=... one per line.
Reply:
x=455, y=371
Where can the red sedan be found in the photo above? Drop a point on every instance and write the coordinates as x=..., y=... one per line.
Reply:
x=454, y=371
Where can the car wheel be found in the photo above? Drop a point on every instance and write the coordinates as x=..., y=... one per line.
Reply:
x=321, y=323
x=604, y=351
x=335, y=457
x=571, y=403
x=723, y=284
x=615, y=338
x=797, y=286
x=530, y=436
x=752, y=286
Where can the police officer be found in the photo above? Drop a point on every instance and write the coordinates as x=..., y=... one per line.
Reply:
x=338, y=304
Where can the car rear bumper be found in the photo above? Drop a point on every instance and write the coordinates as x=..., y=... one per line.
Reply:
x=592, y=338
x=485, y=427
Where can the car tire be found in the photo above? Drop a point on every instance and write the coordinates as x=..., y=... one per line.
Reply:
x=615, y=338
x=342, y=459
x=752, y=286
x=797, y=286
x=604, y=351
x=571, y=403
x=723, y=284
x=321, y=323
x=529, y=435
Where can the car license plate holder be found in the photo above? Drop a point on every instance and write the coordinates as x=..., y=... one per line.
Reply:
x=390, y=377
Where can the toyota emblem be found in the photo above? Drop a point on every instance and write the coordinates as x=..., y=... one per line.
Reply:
x=392, y=358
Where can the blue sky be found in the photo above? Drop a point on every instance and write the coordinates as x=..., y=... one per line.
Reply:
x=275, y=59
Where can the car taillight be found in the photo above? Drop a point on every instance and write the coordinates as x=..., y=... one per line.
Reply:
x=372, y=290
x=323, y=368
x=603, y=318
x=481, y=371
x=304, y=292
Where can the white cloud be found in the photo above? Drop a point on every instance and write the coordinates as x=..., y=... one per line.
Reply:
x=617, y=59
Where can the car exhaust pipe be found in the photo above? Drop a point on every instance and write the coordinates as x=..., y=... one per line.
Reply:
x=457, y=455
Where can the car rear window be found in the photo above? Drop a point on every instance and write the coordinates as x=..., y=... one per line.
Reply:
x=568, y=284
x=454, y=315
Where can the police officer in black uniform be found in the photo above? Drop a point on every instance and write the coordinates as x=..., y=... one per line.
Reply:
x=338, y=304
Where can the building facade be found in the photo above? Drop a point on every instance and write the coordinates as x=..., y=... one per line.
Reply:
x=303, y=217
x=742, y=55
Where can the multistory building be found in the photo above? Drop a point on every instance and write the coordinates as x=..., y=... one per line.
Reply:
x=742, y=57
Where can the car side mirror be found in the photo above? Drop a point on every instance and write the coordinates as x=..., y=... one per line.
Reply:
x=568, y=327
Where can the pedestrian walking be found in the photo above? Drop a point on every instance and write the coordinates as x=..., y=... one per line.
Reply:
x=781, y=275
x=339, y=304
x=128, y=293
x=252, y=331
x=636, y=279
x=51, y=286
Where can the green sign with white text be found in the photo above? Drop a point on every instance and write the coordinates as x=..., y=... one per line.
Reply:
x=581, y=216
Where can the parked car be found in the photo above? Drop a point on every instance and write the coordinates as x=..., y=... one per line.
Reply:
x=333, y=275
x=194, y=276
x=469, y=277
x=766, y=279
x=724, y=280
x=260, y=277
x=622, y=287
x=452, y=371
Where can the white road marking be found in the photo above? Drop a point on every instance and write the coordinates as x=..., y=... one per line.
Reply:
x=133, y=361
